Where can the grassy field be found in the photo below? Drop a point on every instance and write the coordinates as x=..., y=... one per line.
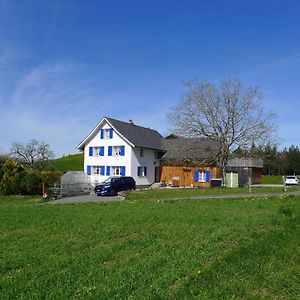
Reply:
x=179, y=193
x=271, y=179
x=69, y=163
x=193, y=249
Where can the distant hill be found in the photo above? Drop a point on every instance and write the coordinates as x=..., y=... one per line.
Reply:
x=72, y=162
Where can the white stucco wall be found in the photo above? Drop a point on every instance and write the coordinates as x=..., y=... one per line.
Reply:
x=148, y=160
x=106, y=160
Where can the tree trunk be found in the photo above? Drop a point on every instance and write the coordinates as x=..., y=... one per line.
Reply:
x=223, y=175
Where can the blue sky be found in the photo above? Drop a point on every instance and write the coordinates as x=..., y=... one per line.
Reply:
x=65, y=64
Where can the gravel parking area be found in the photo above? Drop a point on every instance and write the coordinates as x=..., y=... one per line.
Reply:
x=85, y=199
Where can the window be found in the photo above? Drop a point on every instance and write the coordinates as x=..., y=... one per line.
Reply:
x=97, y=170
x=117, y=170
x=106, y=133
x=116, y=150
x=142, y=171
x=202, y=176
x=141, y=152
x=96, y=151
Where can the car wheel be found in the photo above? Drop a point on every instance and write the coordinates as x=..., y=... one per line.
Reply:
x=113, y=192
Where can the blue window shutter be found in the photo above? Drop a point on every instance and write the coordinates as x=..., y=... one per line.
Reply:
x=107, y=170
x=145, y=171
x=196, y=176
x=102, y=169
x=111, y=133
x=138, y=171
x=101, y=152
x=207, y=175
x=91, y=151
x=123, y=171
x=122, y=150
x=88, y=170
x=101, y=134
x=109, y=150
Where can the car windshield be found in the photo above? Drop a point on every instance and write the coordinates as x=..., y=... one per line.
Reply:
x=109, y=180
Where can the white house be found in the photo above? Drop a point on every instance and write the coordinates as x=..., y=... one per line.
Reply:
x=116, y=148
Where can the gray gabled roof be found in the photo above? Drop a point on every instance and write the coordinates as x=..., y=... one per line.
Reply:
x=139, y=136
x=193, y=150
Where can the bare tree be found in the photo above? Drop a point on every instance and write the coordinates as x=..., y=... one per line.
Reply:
x=34, y=154
x=227, y=113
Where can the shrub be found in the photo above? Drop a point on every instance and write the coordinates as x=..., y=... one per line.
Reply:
x=26, y=183
x=10, y=169
x=51, y=178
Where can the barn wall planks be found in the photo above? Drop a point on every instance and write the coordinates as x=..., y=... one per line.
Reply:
x=184, y=176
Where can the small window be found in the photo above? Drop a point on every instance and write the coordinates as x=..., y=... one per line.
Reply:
x=116, y=170
x=96, y=151
x=97, y=170
x=141, y=152
x=106, y=133
x=202, y=176
x=116, y=150
x=142, y=171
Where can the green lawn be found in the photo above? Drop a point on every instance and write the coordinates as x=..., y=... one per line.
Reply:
x=193, y=249
x=179, y=193
x=69, y=163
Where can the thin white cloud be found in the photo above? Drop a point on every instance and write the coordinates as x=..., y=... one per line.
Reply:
x=60, y=103
x=275, y=65
x=47, y=103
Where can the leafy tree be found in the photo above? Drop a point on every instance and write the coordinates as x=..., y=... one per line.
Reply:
x=10, y=169
x=34, y=154
x=227, y=113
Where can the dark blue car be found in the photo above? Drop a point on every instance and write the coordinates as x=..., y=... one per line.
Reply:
x=112, y=185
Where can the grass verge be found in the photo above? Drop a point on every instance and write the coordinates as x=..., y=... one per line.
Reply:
x=181, y=193
x=214, y=249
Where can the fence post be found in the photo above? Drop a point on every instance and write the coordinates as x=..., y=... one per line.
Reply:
x=250, y=184
x=284, y=185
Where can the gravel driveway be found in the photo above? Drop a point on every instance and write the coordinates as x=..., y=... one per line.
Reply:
x=85, y=199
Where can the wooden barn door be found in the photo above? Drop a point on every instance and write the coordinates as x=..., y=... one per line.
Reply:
x=186, y=177
x=157, y=174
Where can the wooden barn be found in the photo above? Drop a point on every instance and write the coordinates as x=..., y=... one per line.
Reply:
x=189, y=162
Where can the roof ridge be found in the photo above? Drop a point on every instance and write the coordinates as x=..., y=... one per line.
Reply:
x=127, y=123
